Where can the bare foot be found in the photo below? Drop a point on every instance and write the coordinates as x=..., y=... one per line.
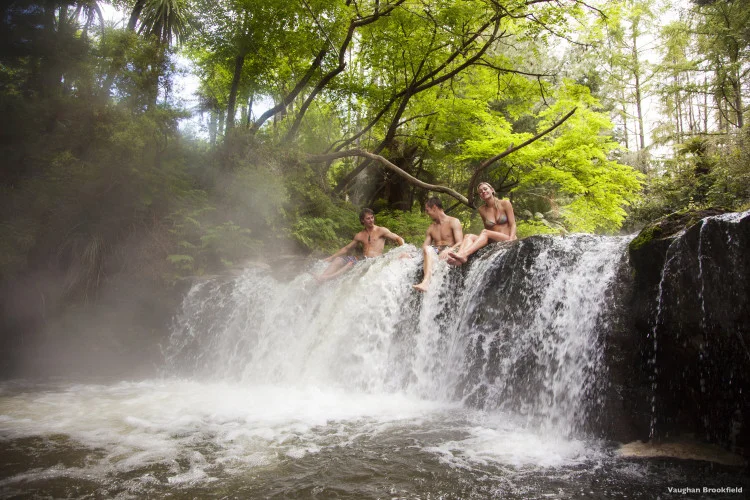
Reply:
x=422, y=287
x=457, y=259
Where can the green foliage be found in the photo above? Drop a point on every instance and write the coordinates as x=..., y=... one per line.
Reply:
x=88, y=200
x=333, y=227
x=705, y=173
x=165, y=19
x=315, y=232
x=729, y=179
x=531, y=227
x=411, y=226
x=206, y=245
x=574, y=169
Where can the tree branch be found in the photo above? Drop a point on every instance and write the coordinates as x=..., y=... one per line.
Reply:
x=484, y=62
x=426, y=82
x=423, y=84
x=416, y=117
x=393, y=168
x=293, y=94
x=511, y=149
x=353, y=25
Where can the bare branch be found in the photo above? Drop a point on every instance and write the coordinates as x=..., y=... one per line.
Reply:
x=293, y=94
x=407, y=120
x=512, y=149
x=484, y=62
x=393, y=168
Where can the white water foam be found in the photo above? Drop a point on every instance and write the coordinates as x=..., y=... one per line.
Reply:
x=260, y=373
x=196, y=431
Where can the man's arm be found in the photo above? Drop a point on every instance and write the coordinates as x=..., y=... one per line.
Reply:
x=427, y=239
x=393, y=236
x=343, y=251
x=458, y=232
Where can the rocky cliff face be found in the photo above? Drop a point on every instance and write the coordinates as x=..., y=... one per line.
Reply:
x=690, y=305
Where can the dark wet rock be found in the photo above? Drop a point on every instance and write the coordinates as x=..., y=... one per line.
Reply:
x=691, y=309
x=624, y=411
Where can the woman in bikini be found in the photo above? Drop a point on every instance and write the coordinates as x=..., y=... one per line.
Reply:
x=499, y=225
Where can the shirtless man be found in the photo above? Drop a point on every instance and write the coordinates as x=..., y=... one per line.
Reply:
x=444, y=235
x=372, y=238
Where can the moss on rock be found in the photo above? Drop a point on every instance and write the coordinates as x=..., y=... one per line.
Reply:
x=670, y=225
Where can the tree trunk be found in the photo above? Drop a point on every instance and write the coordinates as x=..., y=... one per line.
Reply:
x=705, y=105
x=638, y=96
x=680, y=119
x=625, y=120
x=249, y=117
x=135, y=14
x=397, y=189
x=239, y=62
x=738, y=102
x=212, y=126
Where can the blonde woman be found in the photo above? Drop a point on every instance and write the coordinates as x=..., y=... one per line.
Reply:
x=499, y=225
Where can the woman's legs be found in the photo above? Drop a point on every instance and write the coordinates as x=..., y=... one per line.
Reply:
x=460, y=257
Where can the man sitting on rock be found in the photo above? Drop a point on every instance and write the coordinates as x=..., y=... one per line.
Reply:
x=372, y=241
x=443, y=236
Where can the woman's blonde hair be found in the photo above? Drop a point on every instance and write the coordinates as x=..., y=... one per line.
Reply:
x=488, y=184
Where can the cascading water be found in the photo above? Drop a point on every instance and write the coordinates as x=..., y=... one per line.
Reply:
x=356, y=388
x=470, y=339
x=700, y=322
x=538, y=327
x=654, y=333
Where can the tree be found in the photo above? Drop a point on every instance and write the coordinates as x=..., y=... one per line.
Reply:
x=629, y=26
x=162, y=20
x=165, y=20
x=723, y=39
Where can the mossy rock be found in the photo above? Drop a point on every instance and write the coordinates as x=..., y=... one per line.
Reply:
x=670, y=225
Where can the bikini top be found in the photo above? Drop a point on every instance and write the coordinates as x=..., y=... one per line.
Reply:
x=501, y=221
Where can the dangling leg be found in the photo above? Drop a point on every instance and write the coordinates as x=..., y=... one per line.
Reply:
x=337, y=267
x=428, y=263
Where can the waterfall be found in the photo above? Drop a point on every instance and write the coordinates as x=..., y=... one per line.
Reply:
x=495, y=383
x=699, y=319
x=520, y=328
x=537, y=331
x=654, y=333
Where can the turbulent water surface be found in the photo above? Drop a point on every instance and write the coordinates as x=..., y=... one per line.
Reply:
x=356, y=388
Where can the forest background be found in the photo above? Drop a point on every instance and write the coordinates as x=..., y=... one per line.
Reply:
x=590, y=116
